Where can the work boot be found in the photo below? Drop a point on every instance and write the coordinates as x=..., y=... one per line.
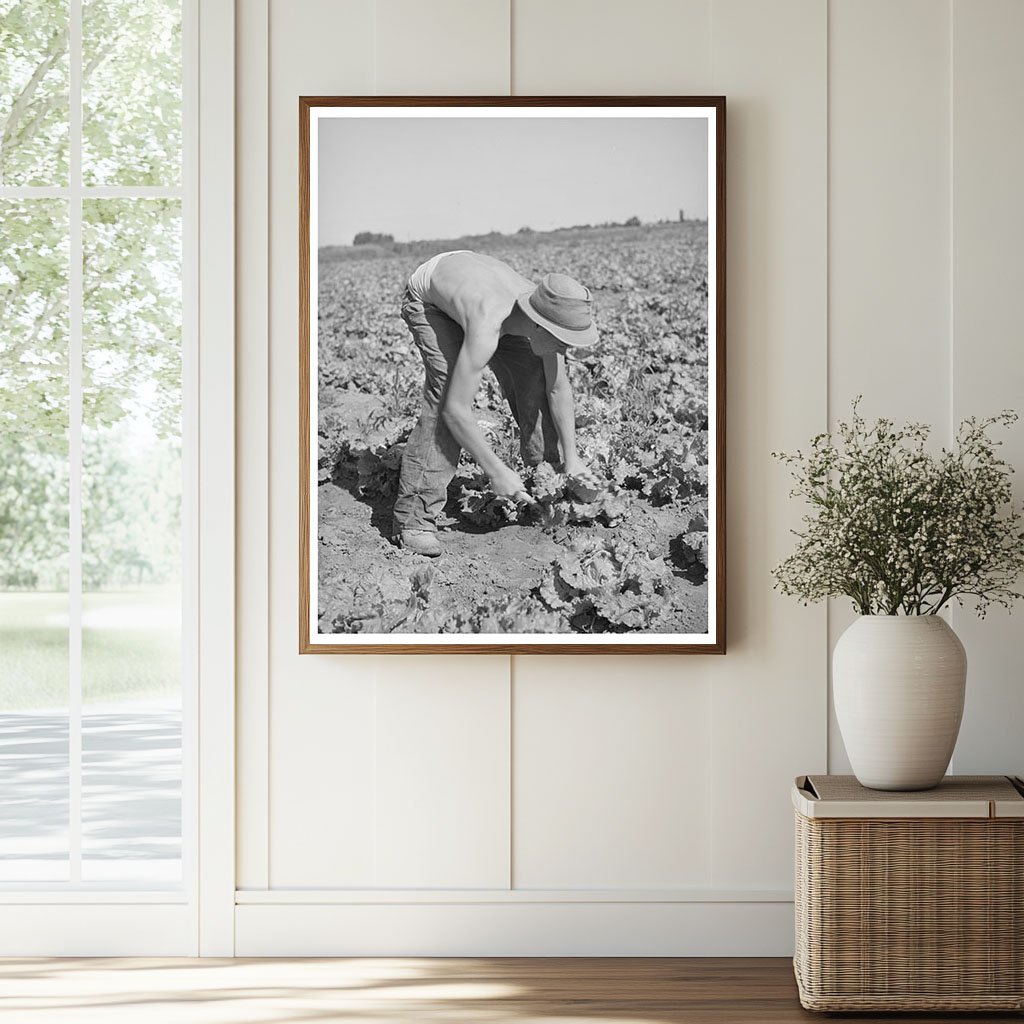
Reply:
x=423, y=542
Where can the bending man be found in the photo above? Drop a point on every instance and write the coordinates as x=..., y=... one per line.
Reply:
x=467, y=311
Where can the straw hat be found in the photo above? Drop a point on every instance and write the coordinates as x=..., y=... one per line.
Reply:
x=563, y=307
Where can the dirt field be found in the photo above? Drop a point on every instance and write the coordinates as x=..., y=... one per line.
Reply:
x=634, y=559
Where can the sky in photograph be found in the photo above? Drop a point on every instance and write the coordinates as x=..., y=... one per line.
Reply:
x=441, y=178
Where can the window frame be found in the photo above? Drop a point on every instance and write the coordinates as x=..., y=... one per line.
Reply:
x=197, y=917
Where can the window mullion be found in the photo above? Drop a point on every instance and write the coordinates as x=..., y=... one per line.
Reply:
x=75, y=303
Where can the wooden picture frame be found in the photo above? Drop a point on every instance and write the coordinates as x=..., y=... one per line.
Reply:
x=387, y=118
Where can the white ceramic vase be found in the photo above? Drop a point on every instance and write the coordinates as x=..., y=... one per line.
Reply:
x=898, y=684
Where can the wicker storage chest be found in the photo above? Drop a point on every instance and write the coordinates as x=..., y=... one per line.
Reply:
x=910, y=901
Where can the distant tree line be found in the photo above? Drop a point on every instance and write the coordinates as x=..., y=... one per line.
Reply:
x=381, y=238
x=375, y=243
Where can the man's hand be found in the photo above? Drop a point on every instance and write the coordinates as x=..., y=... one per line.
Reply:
x=574, y=465
x=507, y=483
x=581, y=481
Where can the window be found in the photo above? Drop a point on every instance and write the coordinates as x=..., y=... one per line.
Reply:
x=95, y=464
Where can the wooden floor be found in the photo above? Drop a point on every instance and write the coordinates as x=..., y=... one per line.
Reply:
x=412, y=991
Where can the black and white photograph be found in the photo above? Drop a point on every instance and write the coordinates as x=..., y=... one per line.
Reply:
x=511, y=393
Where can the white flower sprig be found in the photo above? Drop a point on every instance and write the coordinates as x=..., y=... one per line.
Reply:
x=897, y=529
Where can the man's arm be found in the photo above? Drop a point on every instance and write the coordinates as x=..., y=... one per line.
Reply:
x=478, y=346
x=563, y=412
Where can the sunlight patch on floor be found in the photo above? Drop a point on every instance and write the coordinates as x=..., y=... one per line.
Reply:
x=220, y=991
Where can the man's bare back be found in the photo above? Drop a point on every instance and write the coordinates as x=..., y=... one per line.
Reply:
x=471, y=287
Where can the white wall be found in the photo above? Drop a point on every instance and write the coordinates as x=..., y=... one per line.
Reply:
x=542, y=805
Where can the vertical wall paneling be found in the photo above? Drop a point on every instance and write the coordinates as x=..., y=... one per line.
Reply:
x=442, y=768
x=889, y=212
x=872, y=248
x=769, y=692
x=442, y=48
x=442, y=775
x=889, y=329
x=253, y=464
x=987, y=367
x=323, y=761
x=605, y=47
x=611, y=755
x=611, y=781
x=321, y=708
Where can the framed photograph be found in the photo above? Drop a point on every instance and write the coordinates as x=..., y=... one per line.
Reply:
x=512, y=375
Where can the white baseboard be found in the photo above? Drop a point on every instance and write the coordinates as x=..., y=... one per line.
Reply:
x=358, y=896
x=99, y=928
x=519, y=928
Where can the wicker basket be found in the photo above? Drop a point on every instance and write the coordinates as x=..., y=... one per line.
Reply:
x=910, y=901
